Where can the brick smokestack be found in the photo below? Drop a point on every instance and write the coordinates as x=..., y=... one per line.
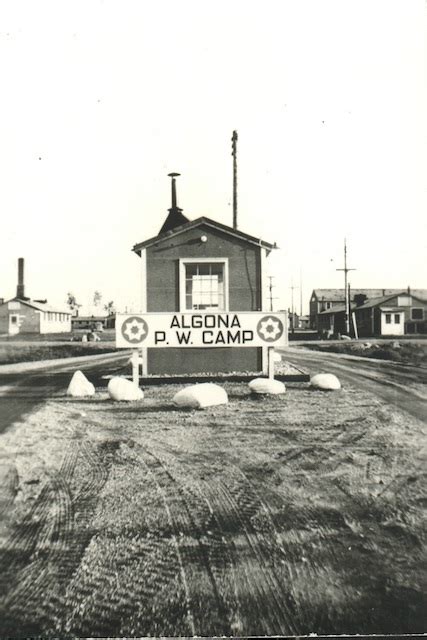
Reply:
x=20, y=289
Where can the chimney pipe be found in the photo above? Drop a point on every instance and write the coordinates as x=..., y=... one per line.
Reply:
x=174, y=200
x=20, y=289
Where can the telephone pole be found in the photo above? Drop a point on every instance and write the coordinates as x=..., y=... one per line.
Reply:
x=270, y=288
x=234, y=154
x=292, y=323
x=347, y=300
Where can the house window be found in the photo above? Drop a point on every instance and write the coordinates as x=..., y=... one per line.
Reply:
x=397, y=318
x=203, y=285
x=388, y=318
x=404, y=301
x=328, y=305
x=14, y=319
x=417, y=314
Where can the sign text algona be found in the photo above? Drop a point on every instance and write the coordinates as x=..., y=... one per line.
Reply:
x=242, y=329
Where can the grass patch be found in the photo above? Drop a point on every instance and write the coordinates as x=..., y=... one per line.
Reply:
x=405, y=352
x=22, y=352
x=52, y=346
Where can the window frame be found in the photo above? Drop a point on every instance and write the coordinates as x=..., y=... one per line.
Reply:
x=417, y=309
x=182, y=264
x=388, y=317
x=397, y=317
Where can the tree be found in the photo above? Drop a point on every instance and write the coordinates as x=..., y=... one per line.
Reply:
x=110, y=307
x=97, y=297
x=72, y=303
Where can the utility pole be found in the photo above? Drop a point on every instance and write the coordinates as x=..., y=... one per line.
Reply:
x=347, y=301
x=300, y=293
x=292, y=287
x=234, y=154
x=270, y=288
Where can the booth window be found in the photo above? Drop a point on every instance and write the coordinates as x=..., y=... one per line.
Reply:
x=203, y=285
x=388, y=318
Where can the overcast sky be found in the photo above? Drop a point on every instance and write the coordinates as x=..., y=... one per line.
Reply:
x=100, y=100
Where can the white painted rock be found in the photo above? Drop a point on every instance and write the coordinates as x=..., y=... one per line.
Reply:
x=199, y=396
x=266, y=386
x=345, y=337
x=277, y=357
x=122, y=389
x=325, y=381
x=80, y=386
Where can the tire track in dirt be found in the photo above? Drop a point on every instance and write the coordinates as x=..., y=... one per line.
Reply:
x=214, y=555
x=262, y=589
x=9, y=486
x=293, y=553
x=175, y=526
x=124, y=596
x=44, y=550
x=219, y=555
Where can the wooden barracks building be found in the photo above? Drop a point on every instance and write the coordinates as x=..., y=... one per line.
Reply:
x=202, y=266
x=23, y=315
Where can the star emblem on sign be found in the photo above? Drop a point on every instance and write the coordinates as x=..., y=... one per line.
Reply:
x=134, y=330
x=270, y=328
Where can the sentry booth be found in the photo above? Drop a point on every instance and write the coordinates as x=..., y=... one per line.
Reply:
x=201, y=278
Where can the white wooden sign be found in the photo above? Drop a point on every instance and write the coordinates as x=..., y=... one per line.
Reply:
x=240, y=329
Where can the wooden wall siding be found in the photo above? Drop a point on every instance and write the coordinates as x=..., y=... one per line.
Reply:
x=218, y=360
x=244, y=262
x=244, y=287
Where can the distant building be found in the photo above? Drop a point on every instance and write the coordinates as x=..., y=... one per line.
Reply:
x=93, y=323
x=297, y=322
x=392, y=315
x=23, y=315
x=326, y=299
x=29, y=316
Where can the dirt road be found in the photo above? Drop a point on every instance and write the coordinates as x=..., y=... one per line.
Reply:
x=401, y=385
x=25, y=386
x=285, y=515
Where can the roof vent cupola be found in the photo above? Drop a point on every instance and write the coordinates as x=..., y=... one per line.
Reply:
x=175, y=217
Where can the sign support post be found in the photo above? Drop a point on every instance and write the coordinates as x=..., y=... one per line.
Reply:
x=271, y=363
x=135, y=367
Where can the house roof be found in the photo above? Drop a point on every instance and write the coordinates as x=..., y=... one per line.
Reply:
x=192, y=224
x=337, y=295
x=89, y=318
x=374, y=302
x=40, y=306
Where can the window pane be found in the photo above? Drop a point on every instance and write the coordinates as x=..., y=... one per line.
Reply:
x=396, y=318
x=204, y=286
x=191, y=270
x=204, y=268
x=388, y=318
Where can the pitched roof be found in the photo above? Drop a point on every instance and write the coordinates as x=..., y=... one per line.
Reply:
x=174, y=219
x=376, y=302
x=40, y=306
x=191, y=224
x=336, y=295
x=369, y=304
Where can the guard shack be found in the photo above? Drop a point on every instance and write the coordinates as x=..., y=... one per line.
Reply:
x=202, y=267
